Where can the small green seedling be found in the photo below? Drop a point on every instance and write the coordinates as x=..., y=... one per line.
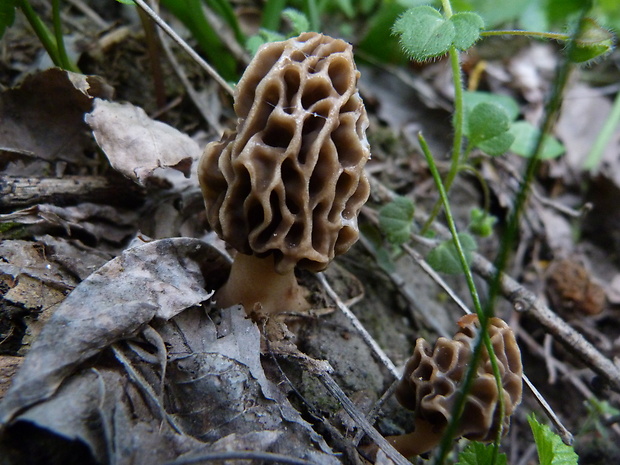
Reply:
x=551, y=449
x=396, y=220
x=477, y=453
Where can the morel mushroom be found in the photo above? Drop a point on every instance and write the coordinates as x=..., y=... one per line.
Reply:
x=286, y=187
x=432, y=379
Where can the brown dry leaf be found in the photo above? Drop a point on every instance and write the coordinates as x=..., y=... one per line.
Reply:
x=169, y=379
x=136, y=145
x=584, y=112
x=44, y=117
x=91, y=223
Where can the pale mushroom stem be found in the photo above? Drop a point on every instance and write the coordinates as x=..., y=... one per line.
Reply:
x=423, y=439
x=254, y=283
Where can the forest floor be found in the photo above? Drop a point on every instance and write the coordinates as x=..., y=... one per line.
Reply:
x=67, y=209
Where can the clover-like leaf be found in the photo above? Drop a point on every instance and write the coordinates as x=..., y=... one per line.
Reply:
x=551, y=449
x=444, y=258
x=592, y=42
x=477, y=453
x=424, y=33
x=467, y=27
x=487, y=128
x=471, y=99
x=481, y=223
x=525, y=137
x=396, y=220
x=299, y=21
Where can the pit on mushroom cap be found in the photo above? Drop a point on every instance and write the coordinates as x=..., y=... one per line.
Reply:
x=286, y=187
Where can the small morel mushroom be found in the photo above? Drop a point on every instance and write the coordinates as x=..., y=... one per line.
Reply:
x=433, y=376
x=286, y=187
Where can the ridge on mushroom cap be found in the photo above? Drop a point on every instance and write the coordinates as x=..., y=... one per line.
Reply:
x=433, y=376
x=290, y=182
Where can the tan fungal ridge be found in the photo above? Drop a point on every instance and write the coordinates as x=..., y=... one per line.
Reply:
x=434, y=374
x=290, y=180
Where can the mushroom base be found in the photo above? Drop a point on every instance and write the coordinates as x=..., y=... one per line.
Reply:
x=423, y=439
x=254, y=283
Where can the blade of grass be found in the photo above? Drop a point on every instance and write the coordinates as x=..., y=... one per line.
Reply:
x=595, y=155
x=483, y=317
x=40, y=29
x=197, y=58
x=272, y=13
x=65, y=61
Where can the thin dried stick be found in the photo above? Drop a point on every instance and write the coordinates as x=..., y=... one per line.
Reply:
x=525, y=301
x=359, y=327
x=189, y=88
x=197, y=58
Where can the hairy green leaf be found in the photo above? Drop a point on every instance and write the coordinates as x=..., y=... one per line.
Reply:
x=299, y=21
x=551, y=449
x=7, y=14
x=444, y=258
x=592, y=42
x=263, y=36
x=487, y=128
x=424, y=33
x=471, y=99
x=525, y=138
x=396, y=220
x=481, y=223
x=467, y=27
x=477, y=453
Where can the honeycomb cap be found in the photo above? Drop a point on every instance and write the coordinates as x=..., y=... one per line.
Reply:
x=289, y=181
x=434, y=374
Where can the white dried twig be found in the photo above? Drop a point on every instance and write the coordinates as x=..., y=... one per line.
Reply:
x=197, y=58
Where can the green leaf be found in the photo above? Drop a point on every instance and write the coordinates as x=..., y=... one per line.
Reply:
x=551, y=449
x=7, y=14
x=481, y=223
x=424, y=33
x=299, y=21
x=471, y=99
x=487, y=128
x=126, y=2
x=593, y=41
x=467, y=27
x=254, y=42
x=396, y=220
x=444, y=258
x=525, y=137
x=477, y=453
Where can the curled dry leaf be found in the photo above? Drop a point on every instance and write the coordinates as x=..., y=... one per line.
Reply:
x=44, y=117
x=136, y=145
x=132, y=350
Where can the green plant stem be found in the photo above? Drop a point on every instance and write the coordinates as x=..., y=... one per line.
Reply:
x=41, y=30
x=459, y=108
x=271, y=14
x=312, y=12
x=534, y=34
x=486, y=194
x=447, y=8
x=595, y=155
x=65, y=61
x=483, y=317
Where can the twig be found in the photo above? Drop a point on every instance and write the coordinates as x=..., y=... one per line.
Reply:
x=524, y=300
x=359, y=327
x=168, y=30
x=267, y=457
x=360, y=419
x=189, y=88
